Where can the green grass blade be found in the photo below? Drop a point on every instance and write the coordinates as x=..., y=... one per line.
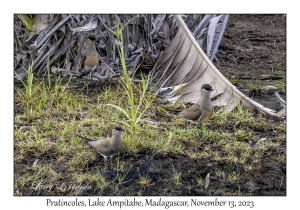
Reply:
x=120, y=109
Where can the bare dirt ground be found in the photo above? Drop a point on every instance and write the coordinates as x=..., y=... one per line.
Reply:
x=252, y=54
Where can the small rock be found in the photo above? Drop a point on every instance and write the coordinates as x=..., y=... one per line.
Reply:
x=35, y=163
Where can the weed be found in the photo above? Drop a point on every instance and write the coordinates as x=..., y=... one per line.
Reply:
x=249, y=167
x=140, y=192
x=281, y=138
x=218, y=173
x=144, y=181
x=204, y=154
x=242, y=135
x=232, y=159
x=78, y=178
x=233, y=177
x=219, y=117
x=200, y=181
x=207, y=148
x=242, y=160
x=123, y=176
x=28, y=22
x=194, y=155
x=176, y=177
x=229, y=149
x=100, y=181
x=282, y=127
x=137, y=96
x=216, y=156
x=281, y=84
x=28, y=86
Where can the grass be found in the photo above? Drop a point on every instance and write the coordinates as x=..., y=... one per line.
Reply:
x=28, y=22
x=144, y=180
x=139, y=99
x=233, y=177
x=176, y=177
x=52, y=113
x=200, y=181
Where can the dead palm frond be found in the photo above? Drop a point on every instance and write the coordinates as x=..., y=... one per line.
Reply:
x=62, y=39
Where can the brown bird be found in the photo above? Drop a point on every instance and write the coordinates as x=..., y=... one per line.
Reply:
x=202, y=110
x=108, y=147
x=91, y=59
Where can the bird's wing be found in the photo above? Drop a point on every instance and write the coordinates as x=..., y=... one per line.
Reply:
x=192, y=113
x=103, y=146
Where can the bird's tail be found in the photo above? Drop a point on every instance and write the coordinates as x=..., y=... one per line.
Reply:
x=85, y=140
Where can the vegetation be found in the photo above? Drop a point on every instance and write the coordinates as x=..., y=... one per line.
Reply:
x=230, y=149
x=136, y=95
x=47, y=117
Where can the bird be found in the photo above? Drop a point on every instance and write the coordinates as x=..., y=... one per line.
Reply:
x=91, y=56
x=107, y=147
x=202, y=110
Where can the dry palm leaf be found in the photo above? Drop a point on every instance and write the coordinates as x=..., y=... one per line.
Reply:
x=207, y=181
x=184, y=66
x=61, y=38
x=49, y=41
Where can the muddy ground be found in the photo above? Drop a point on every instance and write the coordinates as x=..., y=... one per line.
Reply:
x=252, y=54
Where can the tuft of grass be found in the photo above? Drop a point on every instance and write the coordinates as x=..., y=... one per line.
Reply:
x=27, y=94
x=176, y=177
x=28, y=22
x=78, y=178
x=281, y=84
x=200, y=181
x=233, y=177
x=138, y=98
x=242, y=135
x=144, y=181
x=121, y=177
x=101, y=181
